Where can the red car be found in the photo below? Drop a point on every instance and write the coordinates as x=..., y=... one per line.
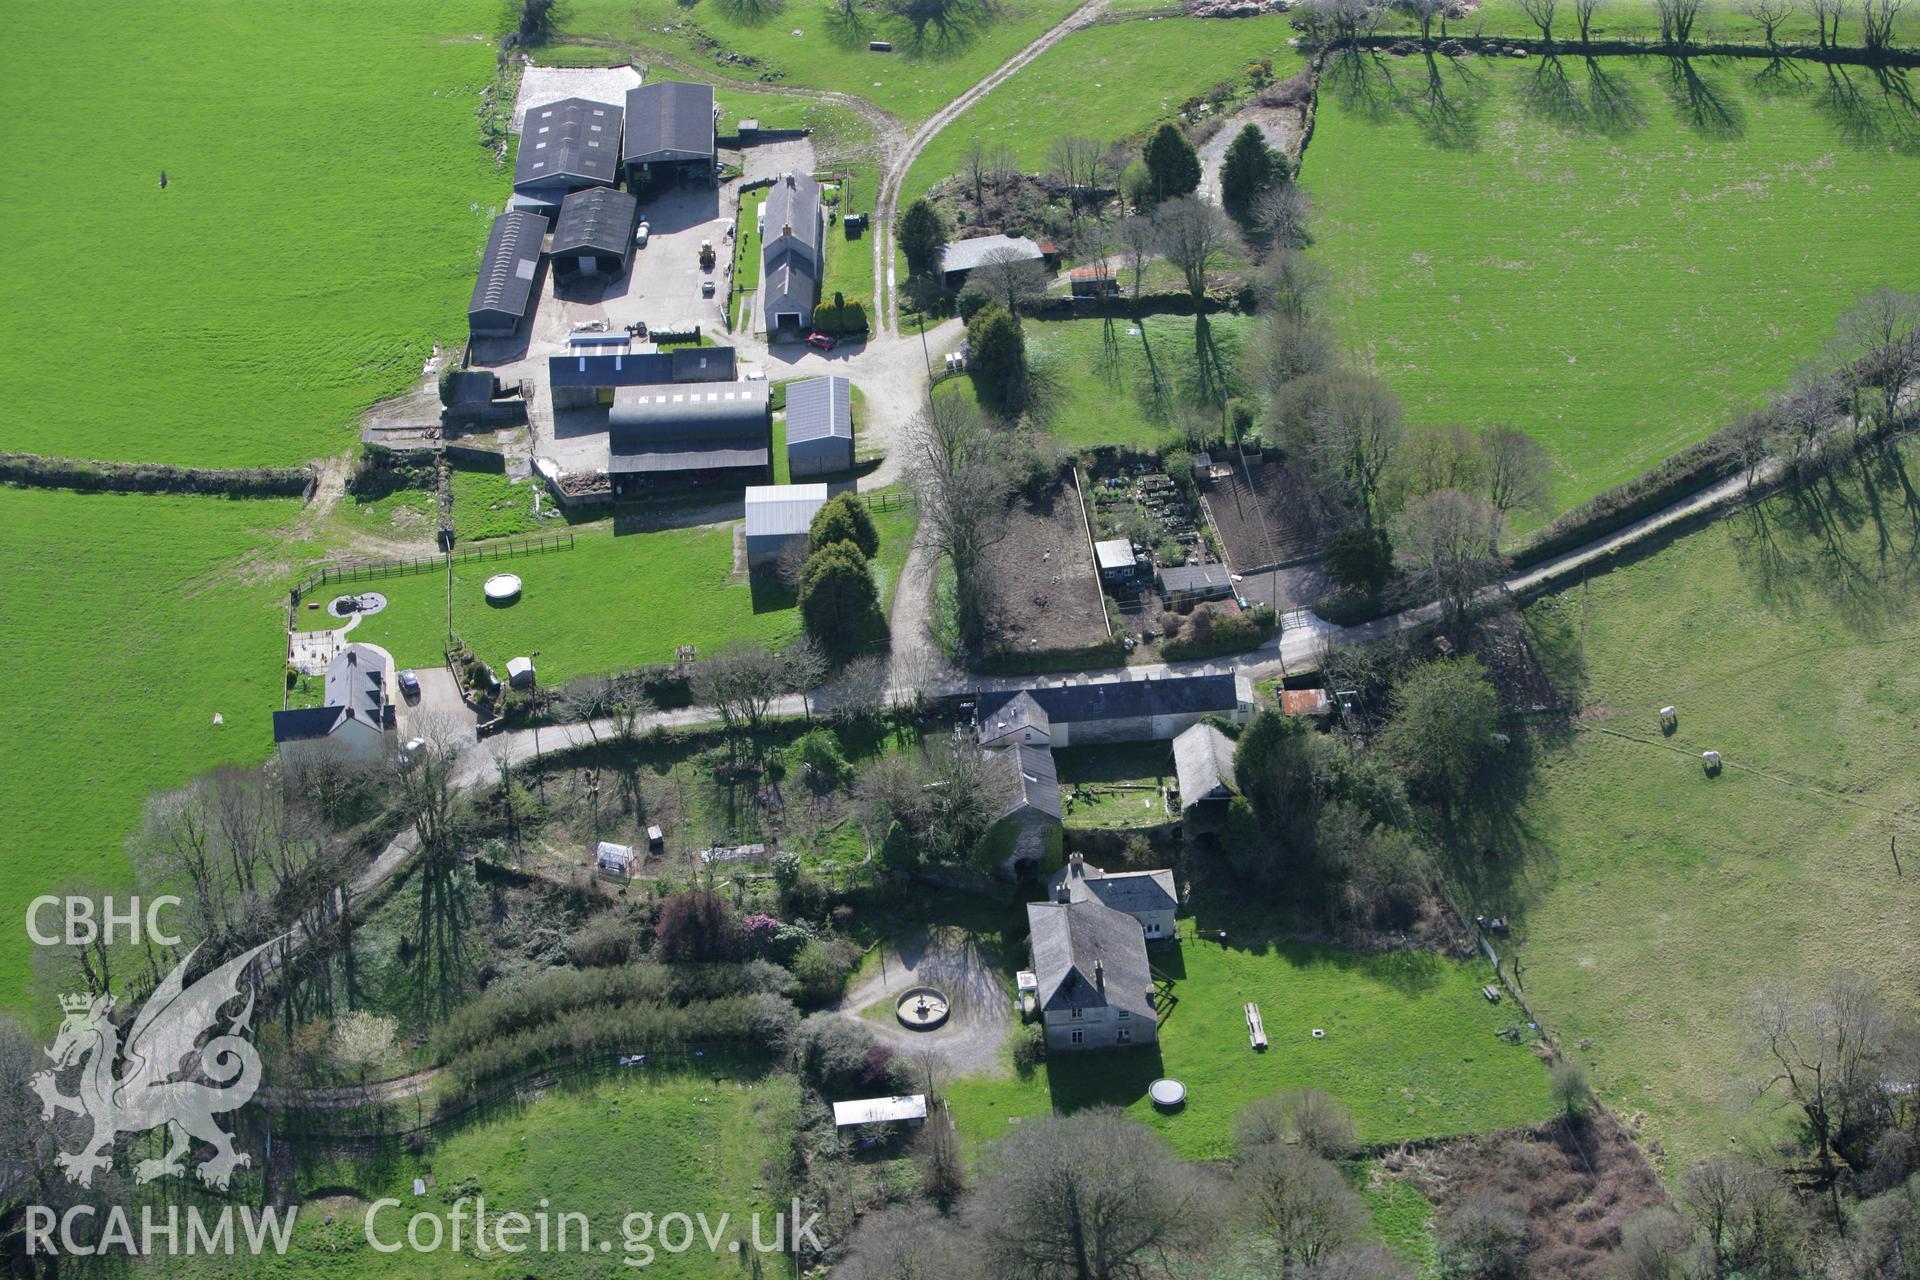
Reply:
x=824, y=341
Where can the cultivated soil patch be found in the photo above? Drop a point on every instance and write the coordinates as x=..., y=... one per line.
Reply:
x=1576, y=1188
x=1501, y=642
x=1041, y=592
x=1277, y=519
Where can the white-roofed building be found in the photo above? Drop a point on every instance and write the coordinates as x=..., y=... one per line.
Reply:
x=908, y=1108
x=777, y=516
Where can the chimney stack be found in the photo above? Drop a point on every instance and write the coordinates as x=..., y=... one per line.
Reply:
x=1076, y=865
x=1100, y=977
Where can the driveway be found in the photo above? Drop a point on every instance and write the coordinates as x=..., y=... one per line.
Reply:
x=952, y=960
x=439, y=712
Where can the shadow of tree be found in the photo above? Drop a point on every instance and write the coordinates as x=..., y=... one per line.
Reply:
x=1548, y=94
x=751, y=13
x=1613, y=104
x=1873, y=107
x=1700, y=102
x=848, y=27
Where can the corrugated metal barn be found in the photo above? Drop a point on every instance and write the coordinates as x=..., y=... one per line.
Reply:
x=565, y=146
x=669, y=133
x=720, y=432
x=589, y=375
x=503, y=295
x=778, y=515
x=819, y=426
x=594, y=236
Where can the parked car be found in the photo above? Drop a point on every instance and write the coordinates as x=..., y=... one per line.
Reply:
x=706, y=288
x=824, y=341
x=410, y=684
x=640, y=236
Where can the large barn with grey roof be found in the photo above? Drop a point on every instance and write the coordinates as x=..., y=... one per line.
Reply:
x=669, y=133
x=590, y=373
x=594, y=237
x=503, y=294
x=706, y=432
x=566, y=146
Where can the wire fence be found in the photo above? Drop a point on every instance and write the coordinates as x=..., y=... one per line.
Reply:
x=379, y=570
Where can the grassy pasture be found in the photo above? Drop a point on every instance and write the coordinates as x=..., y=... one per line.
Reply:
x=1410, y=1046
x=130, y=622
x=1657, y=900
x=614, y=602
x=912, y=82
x=326, y=207
x=1092, y=83
x=1640, y=20
x=680, y=1138
x=1619, y=262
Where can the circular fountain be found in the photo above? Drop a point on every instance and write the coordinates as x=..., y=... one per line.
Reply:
x=922, y=1008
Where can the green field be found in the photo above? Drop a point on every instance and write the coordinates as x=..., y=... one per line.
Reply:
x=1115, y=385
x=651, y=1140
x=488, y=505
x=830, y=52
x=1411, y=1046
x=612, y=603
x=1656, y=900
x=1091, y=83
x=327, y=203
x=1616, y=265
x=130, y=623
x=1640, y=20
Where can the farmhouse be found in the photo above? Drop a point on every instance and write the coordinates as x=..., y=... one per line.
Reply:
x=594, y=236
x=778, y=516
x=503, y=294
x=1114, y=557
x=566, y=146
x=819, y=426
x=1126, y=710
x=590, y=372
x=1095, y=987
x=790, y=252
x=1188, y=584
x=669, y=133
x=1150, y=897
x=1018, y=720
x=1203, y=764
x=717, y=432
x=958, y=260
x=356, y=722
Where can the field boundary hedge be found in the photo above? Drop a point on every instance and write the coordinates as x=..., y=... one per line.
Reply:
x=35, y=471
x=1493, y=46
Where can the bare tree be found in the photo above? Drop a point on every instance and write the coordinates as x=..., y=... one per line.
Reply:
x=1284, y=215
x=1289, y=282
x=1540, y=13
x=1286, y=347
x=1009, y=278
x=907, y=1242
x=1745, y=1214
x=1139, y=242
x=1423, y=12
x=1768, y=13
x=1298, y=1201
x=427, y=788
x=1447, y=541
x=858, y=690
x=1517, y=470
x=1826, y=16
x=1362, y=1262
x=1676, y=21
x=1583, y=11
x=1654, y=1245
x=1338, y=19
x=1196, y=237
x=1877, y=343
x=978, y=168
x=805, y=666
x=1310, y=1118
x=1076, y=158
x=1802, y=417
x=1485, y=1238
x=1876, y=23
x=741, y=682
x=959, y=476
x=1439, y=457
x=1091, y=1195
x=1348, y=425
x=1823, y=1055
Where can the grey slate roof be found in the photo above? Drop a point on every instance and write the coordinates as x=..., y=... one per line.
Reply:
x=668, y=120
x=790, y=247
x=509, y=265
x=574, y=141
x=597, y=220
x=965, y=255
x=600, y=368
x=1112, y=700
x=1134, y=892
x=1196, y=579
x=1203, y=762
x=819, y=409
x=355, y=688
x=1033, y=782
x=1070, y=939
x=1016, y=715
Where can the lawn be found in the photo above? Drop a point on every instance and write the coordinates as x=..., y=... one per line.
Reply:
x=1112, y=787
x=1658, y=899
x=1091, y=83
x=205, y=346
x=1619, y=263
x=612, y=603
x=1411, y=1046
x=830, y=52
x=488, y=505
x=652, y=1140
x=1118, y=383
x=131, y=622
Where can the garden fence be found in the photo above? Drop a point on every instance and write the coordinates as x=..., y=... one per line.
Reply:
x=379, y=570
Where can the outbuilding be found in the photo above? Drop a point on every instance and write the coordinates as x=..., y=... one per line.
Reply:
x=905, y=1108
x=669, y=133
x=778, y=516
x=791, y=245
x=1114, y=557
x=566, y=146
x=1184, y=585
x=590, y=373
x=705, y=431
x=958, y=260
x=594, y=237
x=819, y=426
x=614, y=861
x=520, y=673
x=503, y=294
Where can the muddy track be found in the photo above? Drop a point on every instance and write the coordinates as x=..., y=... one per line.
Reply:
x=898, y=163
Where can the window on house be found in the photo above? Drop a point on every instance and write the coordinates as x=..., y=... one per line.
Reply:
x=1076, y=1011
x=1123, y=1014
x=1125, y=1036
x=1079, y=1037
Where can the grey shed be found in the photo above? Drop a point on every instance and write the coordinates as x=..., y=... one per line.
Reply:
x=503, y=294
x=819, y=426
x=594, y=235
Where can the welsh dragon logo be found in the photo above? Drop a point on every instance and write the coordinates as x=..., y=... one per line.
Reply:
x=150, y=1092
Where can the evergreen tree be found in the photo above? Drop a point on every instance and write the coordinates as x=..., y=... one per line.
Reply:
x=999, y=354
x=922, y=234
x=844, y=519
x=1250, y=168
x=1172, y=163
